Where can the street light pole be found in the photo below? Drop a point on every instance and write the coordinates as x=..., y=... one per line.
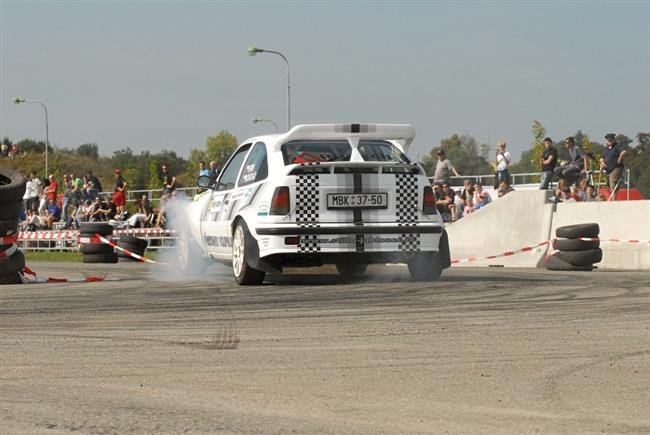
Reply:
x=252, y=51
x=47, y=128
x=256, y=120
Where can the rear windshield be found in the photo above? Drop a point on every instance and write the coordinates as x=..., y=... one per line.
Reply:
x=312, y=151
x=381, y=151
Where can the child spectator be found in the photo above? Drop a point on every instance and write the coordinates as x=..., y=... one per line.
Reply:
x=119, y=193
x=504, y=188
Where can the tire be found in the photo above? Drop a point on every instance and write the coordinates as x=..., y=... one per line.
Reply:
x=243, y=273
x=10, y=210
x=575, y=244
x=133, y=248
x=554, y=263
x=577, y=231
x=581, y=258
x=8, y=226
x=10, y=278
x=96, y=248
x=89, y=229
x=351, y=270
x=134, y=242
x=12, y=185
x=100, y=258
x=425, y=266
x=190, y=258
x=15, y=263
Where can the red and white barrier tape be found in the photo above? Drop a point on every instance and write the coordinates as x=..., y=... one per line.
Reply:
x=633, y=241
x=94, y=240
x=503, y=254
x=126, y=251
x=6, y=240
x=27, y=272
x=69, y=234
x=11, y=250
x=539, y=245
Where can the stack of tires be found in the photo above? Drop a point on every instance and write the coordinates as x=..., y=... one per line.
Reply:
x=12, y=189
x=92, y=248
x=131, y=244
x=573, y=253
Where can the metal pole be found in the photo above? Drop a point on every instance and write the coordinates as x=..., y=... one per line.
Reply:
x=47, y=140
x=628, y=184
x=288, y=86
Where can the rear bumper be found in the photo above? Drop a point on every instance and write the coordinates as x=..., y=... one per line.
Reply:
x=293, y=230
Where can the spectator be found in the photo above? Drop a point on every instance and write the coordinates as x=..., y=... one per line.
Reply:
x=52, y=214
x=33, y=192
x=13, y=150
x=101, y=210
x=504, y=188
x=549, y=161
x=203, y=171
x=467, y=184
x=582, y=190
x=168, y=180
x=214, y=172
x=481, y=197
x=578, y=164
x=161, y=218
x=590, y=194
x=119, y=193
x=502, y=162
x=443, y=169
x=612, y=163
x=52, y=188
x=562, y=193
x=32, y=221
x=4, y=150
x=87, y=211
x=68, y=187
x=446, y=205
x=144, y=216
x=93, y=186
x=42, y=204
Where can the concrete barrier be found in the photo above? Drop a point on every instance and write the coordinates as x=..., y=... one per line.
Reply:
x=617, y=220
x=514, y=221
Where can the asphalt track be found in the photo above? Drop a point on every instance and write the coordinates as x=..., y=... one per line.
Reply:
x=480, y=351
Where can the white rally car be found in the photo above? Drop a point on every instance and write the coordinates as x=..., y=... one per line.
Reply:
x=343, y=194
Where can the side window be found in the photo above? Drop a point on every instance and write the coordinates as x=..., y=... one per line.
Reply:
x=256, y=166
x=230, y=172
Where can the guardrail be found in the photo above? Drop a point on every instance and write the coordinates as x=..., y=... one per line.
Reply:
x=153, y=194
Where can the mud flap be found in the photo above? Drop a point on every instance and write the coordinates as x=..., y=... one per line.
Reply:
x=253, y=257
x=443, y=250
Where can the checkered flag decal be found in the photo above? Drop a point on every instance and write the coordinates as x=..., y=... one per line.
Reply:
x=307, y=210
x=406, y=210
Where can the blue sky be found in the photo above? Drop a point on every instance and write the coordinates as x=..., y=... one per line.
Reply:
x=154, y=75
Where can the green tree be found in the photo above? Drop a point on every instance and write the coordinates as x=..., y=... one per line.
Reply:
x=637, y=160
x=220, y=147
x=88, y=150
x=463, y=152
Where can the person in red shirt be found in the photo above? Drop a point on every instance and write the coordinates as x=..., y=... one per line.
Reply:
x=52, y=188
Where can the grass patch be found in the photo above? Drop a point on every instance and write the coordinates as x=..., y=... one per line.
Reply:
x=58, y=256
x=70, y=256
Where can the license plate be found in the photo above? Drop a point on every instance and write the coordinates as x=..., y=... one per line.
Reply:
x=357, y=200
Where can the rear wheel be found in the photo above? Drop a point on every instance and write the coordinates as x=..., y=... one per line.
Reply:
x=244, y=274
x=190, y=258
x=351, y=270
x=425, y=266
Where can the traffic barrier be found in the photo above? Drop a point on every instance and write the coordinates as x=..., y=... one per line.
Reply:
x=68, y=240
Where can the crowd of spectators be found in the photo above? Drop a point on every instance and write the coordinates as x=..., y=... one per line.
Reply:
x=80, y=199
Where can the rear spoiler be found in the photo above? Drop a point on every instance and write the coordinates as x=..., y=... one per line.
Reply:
x=355, y=168
x=402, y=134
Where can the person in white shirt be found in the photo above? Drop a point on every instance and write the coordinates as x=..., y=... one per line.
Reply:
x=32, y=192
x=502, y=162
